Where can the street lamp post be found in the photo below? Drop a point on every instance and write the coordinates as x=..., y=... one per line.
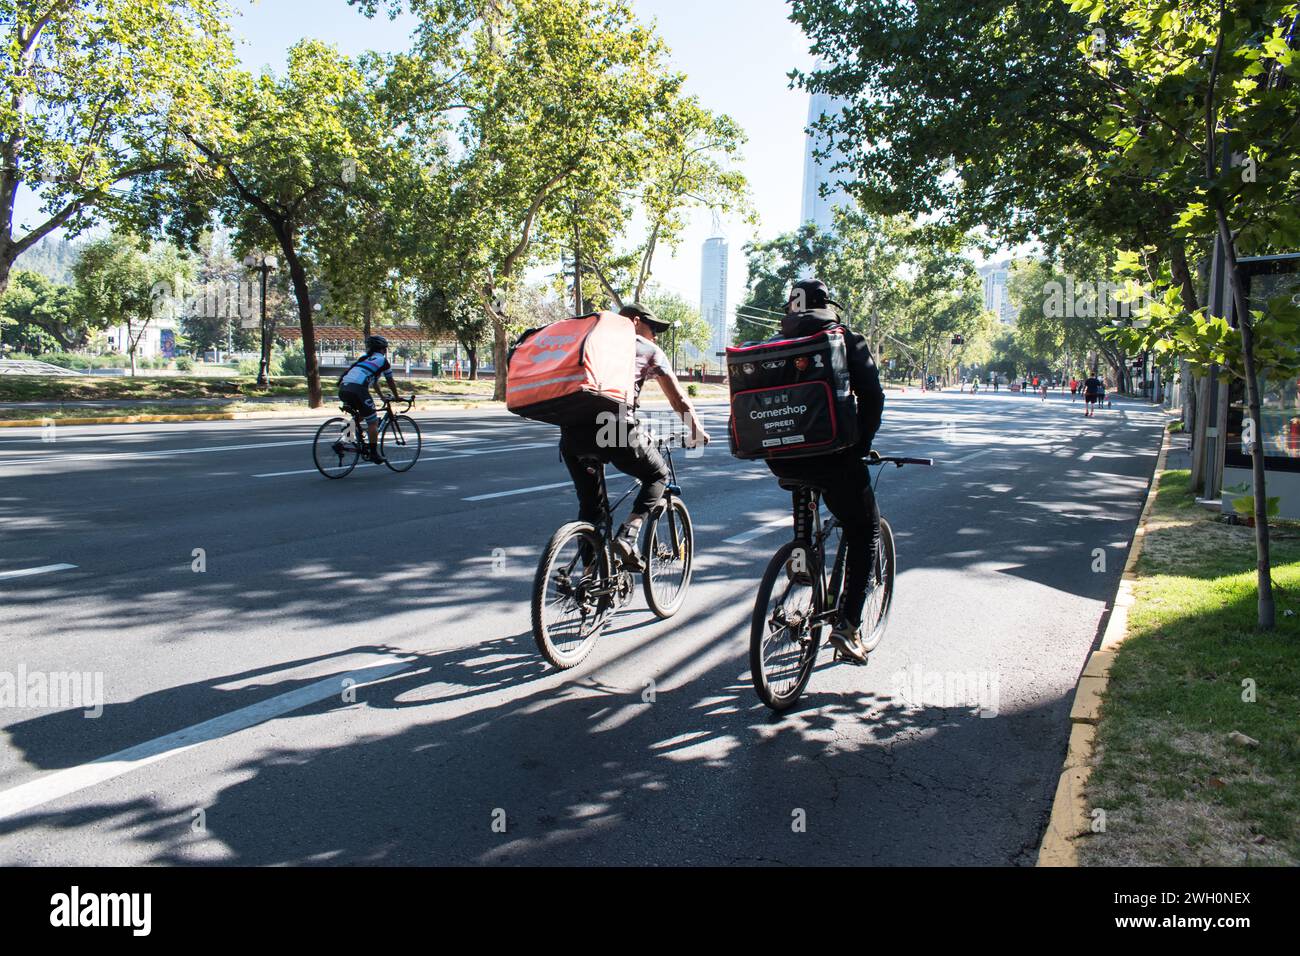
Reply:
x=264, y=265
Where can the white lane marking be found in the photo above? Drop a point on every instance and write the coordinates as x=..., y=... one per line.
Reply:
x=962, y=461
x=43, y=569
x=747, y=536
x=455, y=454
x=467, y=452
x=310, y=471
x=161, y=453
x=519, y=491
x=52, y=786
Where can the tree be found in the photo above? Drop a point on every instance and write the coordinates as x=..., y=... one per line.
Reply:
x=98, y=100
x=552, y=98
x=40, y=315
x=688, y=327
x=297, y=141
x=120, y=281
x=1187, y=78
x=978, y=116
x=773, y=267
x=223, y=294
x=460, y=316
x=685, y=164
x=1061, y=322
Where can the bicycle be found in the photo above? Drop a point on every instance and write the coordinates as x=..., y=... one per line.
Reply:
x=785, y=636
x=341, y=441
x=579, y=585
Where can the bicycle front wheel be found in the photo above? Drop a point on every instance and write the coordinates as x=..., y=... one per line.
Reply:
x=335, y=449
x=400, y=443
x=875, y=613
x=571, y=594
x=783, y=634
x=669, y=551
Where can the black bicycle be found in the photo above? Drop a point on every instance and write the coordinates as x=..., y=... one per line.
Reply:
x=342, y=441
x=799, y=598
x=580, y=585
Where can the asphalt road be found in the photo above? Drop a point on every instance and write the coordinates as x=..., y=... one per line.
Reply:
x=225, y=738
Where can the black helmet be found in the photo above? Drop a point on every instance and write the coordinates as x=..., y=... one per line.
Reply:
x=640, y=312
x=808, y=294
x=376, y=343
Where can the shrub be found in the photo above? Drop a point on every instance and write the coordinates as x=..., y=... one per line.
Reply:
x=692, y=389
x=250, y=366
x=293, y=361
x=185, y=363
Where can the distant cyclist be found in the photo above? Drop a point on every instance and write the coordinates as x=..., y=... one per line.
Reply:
x=354, y=388
x=638, y=457
x=842, y=476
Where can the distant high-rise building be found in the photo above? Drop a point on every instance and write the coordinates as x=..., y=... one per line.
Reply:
x=713, y=292
x=996, y=299
x=817, y=208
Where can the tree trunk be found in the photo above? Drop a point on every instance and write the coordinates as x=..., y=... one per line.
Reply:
x=301, y=293
x=1201, y=415
x=365, y=315
x=473, y=363
x=1246, y=323
x=130, y=347
x=500, y=346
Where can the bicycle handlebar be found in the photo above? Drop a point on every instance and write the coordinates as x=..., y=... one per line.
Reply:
x=409, y=400
x=896, y=460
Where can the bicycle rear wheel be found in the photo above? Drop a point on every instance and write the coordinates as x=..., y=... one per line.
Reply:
x=669, y=552
x=783, y=640
x=335, y=449
x=875, y=613
x=400, y=443
x=570, y=607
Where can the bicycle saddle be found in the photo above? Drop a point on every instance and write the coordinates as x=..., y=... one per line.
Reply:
x=796, y=484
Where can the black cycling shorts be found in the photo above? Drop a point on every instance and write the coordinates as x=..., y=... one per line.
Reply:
x=357, y=399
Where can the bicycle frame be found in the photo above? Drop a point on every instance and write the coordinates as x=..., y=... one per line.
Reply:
x=811, y=534
x=360, y=433
x=606, y=524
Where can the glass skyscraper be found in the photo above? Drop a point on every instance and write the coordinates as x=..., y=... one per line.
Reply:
x=713, y=293
x=817, y=208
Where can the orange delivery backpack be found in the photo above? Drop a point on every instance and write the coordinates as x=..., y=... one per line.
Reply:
x=569, y=372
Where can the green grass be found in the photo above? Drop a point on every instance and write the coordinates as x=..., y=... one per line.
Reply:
x=1174, y=790
x=45, y=388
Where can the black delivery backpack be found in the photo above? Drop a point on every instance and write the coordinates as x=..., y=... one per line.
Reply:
x=792, y=398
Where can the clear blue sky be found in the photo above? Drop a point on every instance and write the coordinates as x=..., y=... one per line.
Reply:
x=735, y=53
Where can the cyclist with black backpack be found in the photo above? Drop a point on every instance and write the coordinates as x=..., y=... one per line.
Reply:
x=354, y=388
x=842, y=475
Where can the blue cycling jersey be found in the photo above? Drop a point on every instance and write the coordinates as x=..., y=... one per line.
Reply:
x=368, y=369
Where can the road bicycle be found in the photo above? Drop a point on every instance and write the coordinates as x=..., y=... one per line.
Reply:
x=798, y=600
x=342, y=441
x=580, y=584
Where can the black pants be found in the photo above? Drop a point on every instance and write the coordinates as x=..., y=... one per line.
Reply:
x=846, y=489
x=637, y=458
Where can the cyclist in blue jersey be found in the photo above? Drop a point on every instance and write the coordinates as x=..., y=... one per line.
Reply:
x=354, y=388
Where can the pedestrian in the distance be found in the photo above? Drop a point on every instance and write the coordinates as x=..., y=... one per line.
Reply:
x=1093, y=390
x=1074, y=388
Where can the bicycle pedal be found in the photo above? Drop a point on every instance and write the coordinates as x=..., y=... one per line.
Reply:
x=841, y=657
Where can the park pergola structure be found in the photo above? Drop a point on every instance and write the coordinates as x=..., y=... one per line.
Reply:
x=350, y=339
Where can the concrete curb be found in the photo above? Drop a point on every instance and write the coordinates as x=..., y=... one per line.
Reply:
x=1070, y=818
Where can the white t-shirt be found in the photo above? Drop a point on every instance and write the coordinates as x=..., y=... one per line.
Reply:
x=650, y=360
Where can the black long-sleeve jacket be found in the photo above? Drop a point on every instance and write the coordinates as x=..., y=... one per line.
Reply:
x=863, y=374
